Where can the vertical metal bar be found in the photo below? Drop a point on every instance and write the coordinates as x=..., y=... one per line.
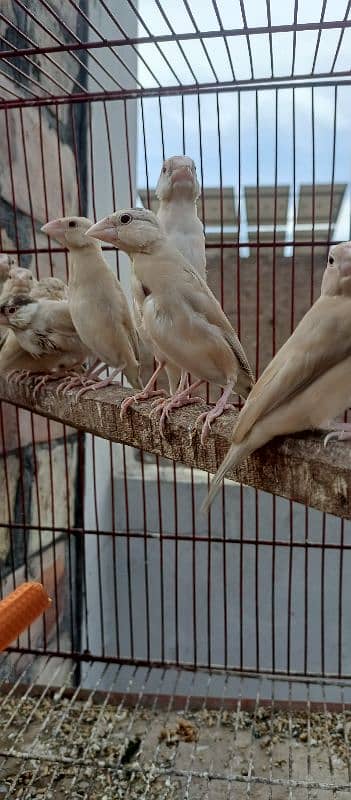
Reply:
x=111, y=447
x=340, y=597
x=130, y=591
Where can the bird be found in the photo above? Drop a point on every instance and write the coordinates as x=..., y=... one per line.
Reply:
x=308, y=382
x=50, y=288
x=177, y=190
x=180, y=314
x=41, y=339
x=20, y=281
x=6, y=262
x=97, y=303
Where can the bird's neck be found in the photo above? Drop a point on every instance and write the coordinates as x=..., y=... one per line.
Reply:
x=176, y=213
x=158, y=269
x=84, y=265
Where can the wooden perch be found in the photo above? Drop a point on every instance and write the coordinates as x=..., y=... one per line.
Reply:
x=296, y=467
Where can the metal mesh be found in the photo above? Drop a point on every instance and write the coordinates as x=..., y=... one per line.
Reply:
x=167, y=734
x=161, y=617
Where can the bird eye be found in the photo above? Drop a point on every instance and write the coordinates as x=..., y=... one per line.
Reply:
x=330, y=260
x=72, y=224
x=125, y=218
x=164, y=169
x=11, y=309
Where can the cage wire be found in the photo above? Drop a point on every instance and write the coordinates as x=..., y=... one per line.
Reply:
x=182, y=657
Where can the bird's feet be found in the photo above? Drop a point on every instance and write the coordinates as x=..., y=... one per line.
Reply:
x=341, y=431
x=163, y=407
x=19, y=376
x=93, y=385
x=208, y=416
x=86, y=382
x=62, y=376
x=145, y=394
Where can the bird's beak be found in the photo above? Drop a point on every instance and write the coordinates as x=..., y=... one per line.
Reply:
x=104, y=230
x=53, y=228
x=3, y=319
x=181, y=174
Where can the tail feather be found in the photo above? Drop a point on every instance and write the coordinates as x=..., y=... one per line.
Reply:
x=236, y=454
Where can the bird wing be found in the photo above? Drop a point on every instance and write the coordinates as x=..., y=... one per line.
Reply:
x=201, y=300
x=321, y=340
x=131, y=331
x=55, y=316
x=138, y=299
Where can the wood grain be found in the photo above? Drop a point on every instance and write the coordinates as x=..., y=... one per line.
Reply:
x=296, y=467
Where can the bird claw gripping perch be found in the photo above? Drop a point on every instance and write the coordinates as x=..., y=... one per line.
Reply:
x=341, y=432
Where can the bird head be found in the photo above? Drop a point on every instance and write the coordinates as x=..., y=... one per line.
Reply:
x=178, y=179
x=69, y=231
x=21, y=278
x=17, y=311
x=133, y=230
x=340, y=257
x=6, y=262
x=338, y=269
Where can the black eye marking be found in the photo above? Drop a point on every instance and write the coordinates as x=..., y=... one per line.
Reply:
x=330, y=260
x=71, y=224
x=11, y=309
x=146, y=290
x=125, y=218
x=164, y=169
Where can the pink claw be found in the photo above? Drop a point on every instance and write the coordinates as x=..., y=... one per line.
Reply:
x=18, y=376
x=95, y=385
x=139, y=398
x=164, y=407
x=209, y=416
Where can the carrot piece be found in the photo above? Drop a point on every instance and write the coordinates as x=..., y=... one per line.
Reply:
x=19, y=609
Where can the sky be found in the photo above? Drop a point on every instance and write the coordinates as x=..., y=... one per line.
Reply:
x=217, y=117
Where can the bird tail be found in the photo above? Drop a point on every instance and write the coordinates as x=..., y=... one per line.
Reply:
x=236, y=454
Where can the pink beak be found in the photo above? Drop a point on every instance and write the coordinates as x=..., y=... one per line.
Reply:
x=181, y=174
x=104, y=230
x=53, y=228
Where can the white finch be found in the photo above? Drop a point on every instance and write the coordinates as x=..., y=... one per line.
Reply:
x=180, y=314
x=97, y=303
x=6, y=263
x=20, y=281
x=177, y=190
x=42, y=338
x=308, y=382
x=43, y=327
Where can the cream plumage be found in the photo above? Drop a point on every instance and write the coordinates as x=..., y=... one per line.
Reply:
x=308, y=382
x=177, y=190
x=181, y=316
x=97, y=303
x=43, y=327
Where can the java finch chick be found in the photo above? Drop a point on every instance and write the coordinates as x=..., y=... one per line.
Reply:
x=308, y=382
x=97, y=303
x=180, y=314
x=177, y=190
x=43, y=327
x=41, y=339
x=6, y=263
x=20, y=281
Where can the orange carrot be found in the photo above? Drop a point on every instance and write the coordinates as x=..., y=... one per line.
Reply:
x=19, y=609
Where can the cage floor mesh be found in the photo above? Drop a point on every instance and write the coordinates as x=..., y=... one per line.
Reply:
x=126, y=733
